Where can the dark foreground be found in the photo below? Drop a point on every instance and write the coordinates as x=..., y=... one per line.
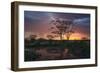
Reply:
x=42, y=50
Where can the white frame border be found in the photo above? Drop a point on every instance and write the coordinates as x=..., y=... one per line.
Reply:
x=23, y=64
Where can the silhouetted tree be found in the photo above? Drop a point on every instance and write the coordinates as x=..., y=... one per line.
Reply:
x=33, y=37
x=62, y=27
x=50, y=37
x=41, y=39
x=85, y=38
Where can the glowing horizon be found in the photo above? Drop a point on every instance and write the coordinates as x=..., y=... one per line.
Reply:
x=75, y=36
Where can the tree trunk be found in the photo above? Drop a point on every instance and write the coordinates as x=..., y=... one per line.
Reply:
x=61, y=37
x=68, y=37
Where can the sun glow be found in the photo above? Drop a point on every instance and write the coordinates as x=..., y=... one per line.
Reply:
x=75, y=36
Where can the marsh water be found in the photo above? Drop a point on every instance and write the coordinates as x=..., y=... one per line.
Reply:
x=56, y=51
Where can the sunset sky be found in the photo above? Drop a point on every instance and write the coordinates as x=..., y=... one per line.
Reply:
x=38, y=23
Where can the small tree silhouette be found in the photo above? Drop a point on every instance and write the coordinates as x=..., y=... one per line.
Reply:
x=85, y=38
x=62, y=27
x=50, y=37
x=33, y=37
